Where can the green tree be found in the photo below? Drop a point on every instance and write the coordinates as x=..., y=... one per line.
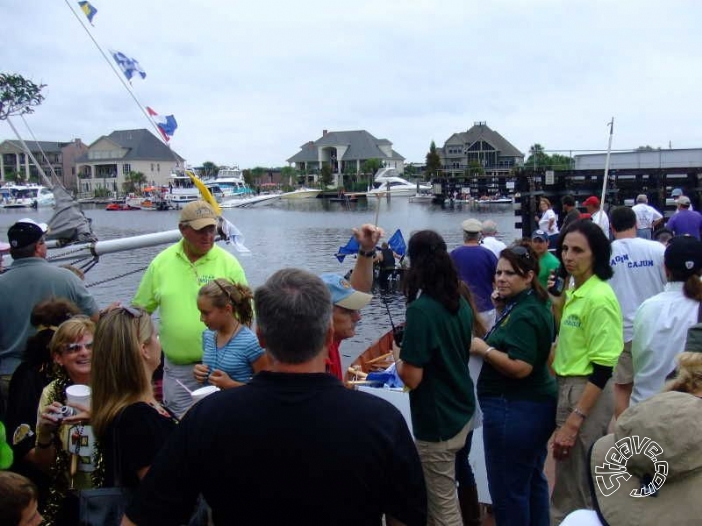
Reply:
x=288, y=174
x=133, y=182
x=248, y=176
x=257, y=174
x=209, y=169
x=561, y=162
x=18, y=96
x=433, y=162
x=538, y=158
x=326, y=175
x=410, y=171
x=475, y=167
x=371, y=166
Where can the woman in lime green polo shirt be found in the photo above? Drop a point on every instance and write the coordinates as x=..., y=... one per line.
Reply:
x=516, y=391
x=589, y=344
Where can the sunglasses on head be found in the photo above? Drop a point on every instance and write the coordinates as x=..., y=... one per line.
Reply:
x=520, y=252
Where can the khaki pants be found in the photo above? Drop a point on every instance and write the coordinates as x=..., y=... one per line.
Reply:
x=438, y=463
x=572, y=489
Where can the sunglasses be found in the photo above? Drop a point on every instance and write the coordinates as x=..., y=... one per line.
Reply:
x=520, y=252
x=73, y=348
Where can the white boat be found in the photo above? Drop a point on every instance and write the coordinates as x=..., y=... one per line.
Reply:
x=421, y=198
x=301, y=193
x=231, y=182
x=388, y=180
x=182, y=190
x=29, y=196
x=250, y=201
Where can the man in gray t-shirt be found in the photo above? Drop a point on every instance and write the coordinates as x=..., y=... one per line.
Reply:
x=28, y=281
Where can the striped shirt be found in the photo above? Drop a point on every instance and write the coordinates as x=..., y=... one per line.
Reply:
x=236, y=357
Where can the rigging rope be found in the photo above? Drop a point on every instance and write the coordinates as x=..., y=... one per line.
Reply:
x=113, y=278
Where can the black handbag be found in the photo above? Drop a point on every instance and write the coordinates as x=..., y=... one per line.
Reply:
x=105, y=506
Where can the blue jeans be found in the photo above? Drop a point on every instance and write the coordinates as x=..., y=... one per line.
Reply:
x=464, y=473
x=515, y=436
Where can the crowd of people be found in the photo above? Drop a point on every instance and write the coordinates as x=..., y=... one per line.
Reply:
x=491, y=338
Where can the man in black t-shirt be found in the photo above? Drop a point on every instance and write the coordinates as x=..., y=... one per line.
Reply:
x=293, y=446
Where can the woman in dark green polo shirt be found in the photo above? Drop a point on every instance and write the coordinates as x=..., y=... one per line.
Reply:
x=433, y=363
x=516, y=391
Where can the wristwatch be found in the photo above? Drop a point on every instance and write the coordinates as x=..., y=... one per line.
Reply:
x=368, y=254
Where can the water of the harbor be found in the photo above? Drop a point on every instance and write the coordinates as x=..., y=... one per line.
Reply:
x=304, y=234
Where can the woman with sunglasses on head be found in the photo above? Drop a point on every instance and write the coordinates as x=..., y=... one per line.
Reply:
x=433, y=363
x=516, y=391
x=65, y=445
x=231, y=352
x=589, y=344
x=126, y=416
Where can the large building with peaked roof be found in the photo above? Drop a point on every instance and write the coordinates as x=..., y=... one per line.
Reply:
x=345, y=152
x=481, y=145
x=111, y=157
x=55, y=156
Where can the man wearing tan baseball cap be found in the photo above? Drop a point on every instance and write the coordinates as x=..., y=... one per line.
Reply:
x=171, y=284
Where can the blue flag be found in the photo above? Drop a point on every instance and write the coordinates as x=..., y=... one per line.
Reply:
x=88, y=9
x=129, y=66
x=166, y=124
x=397, y=243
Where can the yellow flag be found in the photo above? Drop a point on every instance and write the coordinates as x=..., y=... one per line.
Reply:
x=206, y=194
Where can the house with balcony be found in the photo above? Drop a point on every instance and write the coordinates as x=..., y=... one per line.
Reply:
x=55, y=156
x=110, y=158
x=345, y=152
x=479, y=146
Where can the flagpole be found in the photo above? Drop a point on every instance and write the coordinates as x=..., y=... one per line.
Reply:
x=606, y=169
x=120, y=75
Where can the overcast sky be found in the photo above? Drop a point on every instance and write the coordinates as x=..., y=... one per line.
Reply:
x=249, y=82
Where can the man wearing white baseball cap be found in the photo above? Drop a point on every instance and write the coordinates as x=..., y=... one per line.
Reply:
x=29, y=280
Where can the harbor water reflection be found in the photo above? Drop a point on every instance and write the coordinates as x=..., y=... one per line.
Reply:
x=303, y=234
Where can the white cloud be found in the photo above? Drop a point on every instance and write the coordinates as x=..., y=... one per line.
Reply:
x=251, y=82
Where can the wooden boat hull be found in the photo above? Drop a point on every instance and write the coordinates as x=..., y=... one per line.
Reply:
x=377, y=357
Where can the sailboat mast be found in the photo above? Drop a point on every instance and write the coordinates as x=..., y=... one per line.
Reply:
x=606, y=169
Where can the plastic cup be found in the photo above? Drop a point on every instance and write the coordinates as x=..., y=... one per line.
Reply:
x=203, y=392
x=78, y=394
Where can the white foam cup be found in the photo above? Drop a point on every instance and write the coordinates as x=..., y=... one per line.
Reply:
x=203, y=392
x=78, y=394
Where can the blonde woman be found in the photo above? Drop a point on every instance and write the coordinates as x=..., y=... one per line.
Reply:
x=65, y=446
x=127, y=352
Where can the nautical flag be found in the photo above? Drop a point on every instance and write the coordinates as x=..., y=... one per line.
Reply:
x=88, y=9
x=397, y=243
x=166, y=124
x=129, y=66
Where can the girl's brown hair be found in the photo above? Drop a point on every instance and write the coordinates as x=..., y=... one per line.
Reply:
x=222, y=292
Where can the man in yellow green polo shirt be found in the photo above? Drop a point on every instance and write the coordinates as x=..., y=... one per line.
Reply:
x=171, y=284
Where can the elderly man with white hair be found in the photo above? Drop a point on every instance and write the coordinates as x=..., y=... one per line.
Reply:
x=647, y=217
x=489, y=238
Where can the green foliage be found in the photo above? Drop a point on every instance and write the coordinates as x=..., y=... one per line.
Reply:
x=540, y=160
x=475, y=168
x=133, y=182
x=287, y=175
x=326, y=175
x=208, y=169
x=433, y=162
x=370, y=166
x=410, y=171
x=248, y=177
x=18, y=96
x=102, y=192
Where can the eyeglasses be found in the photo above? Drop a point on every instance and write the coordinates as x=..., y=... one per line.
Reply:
x=520, y=252
x=73, y=348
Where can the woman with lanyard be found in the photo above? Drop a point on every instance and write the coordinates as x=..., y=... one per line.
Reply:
x=516, y=391
x=589, y=344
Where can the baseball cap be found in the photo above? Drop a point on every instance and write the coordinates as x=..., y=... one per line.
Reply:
x=684, y=254
x=25, y=232
x=343, y=294
x=198, y=215
x=592, y=201
x=540, y=234
x=472, y=226
x=683, y=200
x=655, y=444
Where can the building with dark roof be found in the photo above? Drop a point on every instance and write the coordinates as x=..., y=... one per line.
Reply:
x=482, y=146
x=345, y=152
x=110, y=158
x=51, y=155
